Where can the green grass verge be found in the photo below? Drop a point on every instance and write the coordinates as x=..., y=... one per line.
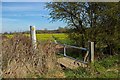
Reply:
x=106, y=68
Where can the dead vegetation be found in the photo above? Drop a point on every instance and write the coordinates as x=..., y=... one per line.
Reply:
x=20, y=60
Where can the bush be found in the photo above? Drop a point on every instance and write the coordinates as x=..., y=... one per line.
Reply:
x=21, y=60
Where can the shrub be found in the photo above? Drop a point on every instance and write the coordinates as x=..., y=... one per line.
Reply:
x=21, y=60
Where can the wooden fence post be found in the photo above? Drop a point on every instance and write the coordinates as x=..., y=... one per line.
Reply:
x=33, y=36
x=65, y=51
x=91, y=51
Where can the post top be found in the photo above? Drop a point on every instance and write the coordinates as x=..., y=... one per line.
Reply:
x=32, y=26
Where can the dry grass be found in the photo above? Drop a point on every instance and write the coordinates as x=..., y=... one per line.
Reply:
x=20, y=60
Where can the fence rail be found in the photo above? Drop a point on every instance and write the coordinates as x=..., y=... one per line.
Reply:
x=66, y=45
x=90, y=50
x=89, y=53
x=69, y=46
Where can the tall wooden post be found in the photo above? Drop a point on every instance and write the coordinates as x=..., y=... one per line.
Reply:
x=33, y=36
x=91, y=51
x=65, y=51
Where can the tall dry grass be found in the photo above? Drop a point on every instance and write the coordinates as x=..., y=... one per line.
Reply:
x=20, y=60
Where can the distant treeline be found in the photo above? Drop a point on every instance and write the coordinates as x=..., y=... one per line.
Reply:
x=59, y=30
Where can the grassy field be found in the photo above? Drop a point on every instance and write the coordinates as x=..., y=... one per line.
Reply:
x=61, y=37
x=9, y=35
x=45, y=36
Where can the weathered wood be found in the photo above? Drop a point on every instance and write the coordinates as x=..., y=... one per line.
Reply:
x=33, y=36
x=70, y=63
x=64, y=50
x=92, y=52
x=69, y=46
x=86, y=55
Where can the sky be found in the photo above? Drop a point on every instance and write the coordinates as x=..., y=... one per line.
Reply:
x=18, y=16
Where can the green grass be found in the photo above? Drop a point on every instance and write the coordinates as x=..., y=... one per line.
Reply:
x=60, y=37
x=9, y=35
x=45, y=36
x=106, y=68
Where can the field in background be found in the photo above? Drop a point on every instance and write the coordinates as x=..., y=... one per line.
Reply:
x=60, y=36
x=105, y=68
x=46, y=36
